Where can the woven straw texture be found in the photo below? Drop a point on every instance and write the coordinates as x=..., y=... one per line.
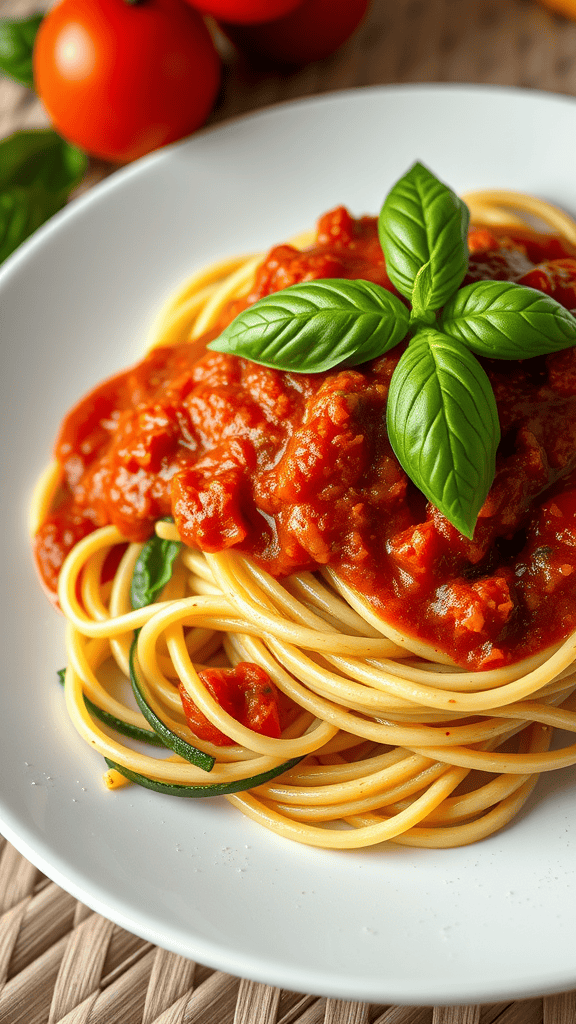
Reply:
x=59, y=962
x=62, y=964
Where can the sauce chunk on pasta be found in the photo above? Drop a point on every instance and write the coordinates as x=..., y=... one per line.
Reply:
x=297, y=469
x=311, y=638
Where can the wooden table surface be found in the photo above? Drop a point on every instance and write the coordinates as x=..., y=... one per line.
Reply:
x=59, y=962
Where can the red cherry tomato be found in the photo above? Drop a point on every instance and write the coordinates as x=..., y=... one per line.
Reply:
x=555, y=277
x=311, y=32
x=245, y=692
x=245, y=12
x=119, y=79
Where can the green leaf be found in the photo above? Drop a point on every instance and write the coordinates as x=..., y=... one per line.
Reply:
x=504, y=320
x=38, y=170
x=153, y=570
x=443, y=425
x=40, y=158
x=424, y=222
x=21, y=212
x=421, y=293
x=16, y=46
x=316, y=325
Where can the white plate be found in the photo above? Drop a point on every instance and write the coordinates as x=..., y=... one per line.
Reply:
x=496, y=920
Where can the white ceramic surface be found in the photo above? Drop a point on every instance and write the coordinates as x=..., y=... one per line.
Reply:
x=391, y=924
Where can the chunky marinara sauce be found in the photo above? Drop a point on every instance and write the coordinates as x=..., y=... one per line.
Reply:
x=297, y=469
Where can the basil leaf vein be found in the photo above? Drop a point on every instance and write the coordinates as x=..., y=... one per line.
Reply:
x=423, y=221
x=316, y=325
x=504, y=320
x=443, y=425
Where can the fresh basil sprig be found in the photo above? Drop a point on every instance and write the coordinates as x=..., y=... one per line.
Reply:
x=441, y=416
x=423, y=230
x=316, y=325
x=16, y=47
x=153, y=570
x=38, y=170
x=443, y=423
x=503, y=320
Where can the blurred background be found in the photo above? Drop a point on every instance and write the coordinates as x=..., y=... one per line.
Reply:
x=524, y=43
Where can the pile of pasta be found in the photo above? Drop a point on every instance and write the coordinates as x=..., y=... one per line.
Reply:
x=391, y=741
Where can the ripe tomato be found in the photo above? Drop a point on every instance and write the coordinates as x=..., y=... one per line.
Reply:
x=311, y=32
x=120, y=79
x=245, y=12
x=555, y=277
x=245, y=692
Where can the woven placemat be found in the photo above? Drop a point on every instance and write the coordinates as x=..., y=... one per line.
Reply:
x=60, y=963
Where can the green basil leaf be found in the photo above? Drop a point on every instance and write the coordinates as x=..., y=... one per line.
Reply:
x=16, y=46
x=40, y=158
x=443, y=425
x=422, y=291
x=424, y=222
x=153, y=570
x=21, y=212
x=315, y=325
x=504, y=320
x=38, y=170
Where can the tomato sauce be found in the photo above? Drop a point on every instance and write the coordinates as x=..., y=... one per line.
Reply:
x=297, y=469
x=245, y=692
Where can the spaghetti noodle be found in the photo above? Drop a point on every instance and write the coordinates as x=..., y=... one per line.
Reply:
x=387, y=739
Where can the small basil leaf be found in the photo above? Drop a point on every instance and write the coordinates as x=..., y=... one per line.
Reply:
x=422, y=290
x=423, y=221
x=443, y=425
x=16, y=46
x=39, y=157
x=315, y=325
x=21, y=212
x=504, y=320
x=38, y=170
x=422, y=313
x=153, y=570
